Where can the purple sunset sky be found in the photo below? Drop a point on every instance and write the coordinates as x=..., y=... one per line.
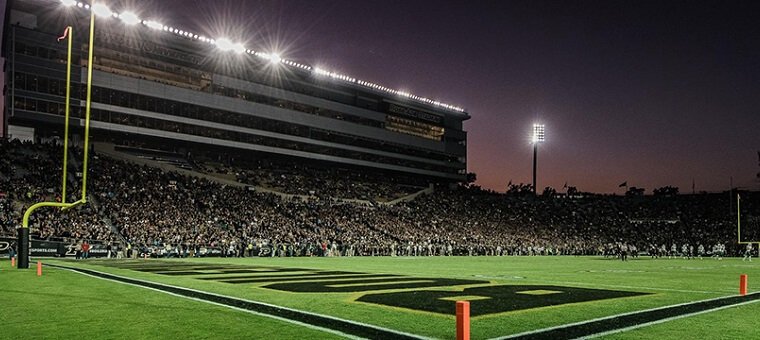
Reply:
x=653, y=93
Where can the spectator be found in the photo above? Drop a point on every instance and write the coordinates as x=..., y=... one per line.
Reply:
x=162, y=213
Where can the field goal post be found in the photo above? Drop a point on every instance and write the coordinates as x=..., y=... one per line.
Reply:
x=23, y=231
x=739, y=225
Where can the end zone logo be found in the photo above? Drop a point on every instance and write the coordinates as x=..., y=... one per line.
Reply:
x=486, y=298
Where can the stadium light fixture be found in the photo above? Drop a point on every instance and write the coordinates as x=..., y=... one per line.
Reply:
x=238, y=48
x=538, y=133
x=538, y=137
x=102, y=10
x=129, y=18
x=225, y=44
x=154, y=25
x=274, y=58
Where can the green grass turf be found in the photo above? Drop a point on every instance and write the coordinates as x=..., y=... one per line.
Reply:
x=734, y=323
x=670, y=282
x=65, y=305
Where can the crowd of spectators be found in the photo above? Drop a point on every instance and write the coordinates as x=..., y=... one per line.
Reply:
x=171, y=214
x=301, y=178
x=31, y=173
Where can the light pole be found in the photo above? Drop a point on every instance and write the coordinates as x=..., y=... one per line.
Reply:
x=538, y=137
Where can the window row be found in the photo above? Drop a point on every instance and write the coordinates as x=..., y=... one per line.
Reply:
x=37, y=83
x=124, y=63
x=35, y=105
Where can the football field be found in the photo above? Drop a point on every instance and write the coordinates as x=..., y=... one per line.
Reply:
x=381, y=297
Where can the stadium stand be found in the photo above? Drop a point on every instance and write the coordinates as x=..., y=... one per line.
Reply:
x=202, y=152
x=166, y=213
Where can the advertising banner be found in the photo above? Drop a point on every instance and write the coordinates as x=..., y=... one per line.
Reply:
x=5, y=244
x=42, y=248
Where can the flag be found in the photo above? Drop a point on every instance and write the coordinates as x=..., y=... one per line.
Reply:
x=65, y=33
x=624, y=184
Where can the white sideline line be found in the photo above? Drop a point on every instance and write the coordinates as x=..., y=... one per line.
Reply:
x=614, y=316
x=246, y=310
x=226, y=306
x=651, y=323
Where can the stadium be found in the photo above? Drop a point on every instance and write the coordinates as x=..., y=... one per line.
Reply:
x=166, y=184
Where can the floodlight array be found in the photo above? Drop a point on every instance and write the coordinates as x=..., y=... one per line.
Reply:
x=538, y=133
x=103, y=10
x=129, y=18
x=227, y=45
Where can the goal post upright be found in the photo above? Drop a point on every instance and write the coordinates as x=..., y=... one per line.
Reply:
x=23, y=232
x=739, y=224
x=87, y=103
x=738, y=219
x=70, y=34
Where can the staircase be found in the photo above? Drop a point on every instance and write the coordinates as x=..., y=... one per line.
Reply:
x=92, y=199
x=411, y=197
x=75, y=166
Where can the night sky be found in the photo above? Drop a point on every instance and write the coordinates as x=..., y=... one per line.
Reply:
x=651, y=93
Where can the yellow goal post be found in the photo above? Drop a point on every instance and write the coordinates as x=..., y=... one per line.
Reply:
x=23, y=232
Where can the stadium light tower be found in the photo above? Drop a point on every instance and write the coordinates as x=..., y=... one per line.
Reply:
x=538, y=137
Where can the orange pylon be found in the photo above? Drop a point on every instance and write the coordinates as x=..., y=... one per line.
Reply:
x=463, y=320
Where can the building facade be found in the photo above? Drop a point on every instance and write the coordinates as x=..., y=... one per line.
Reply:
x=166, y=86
